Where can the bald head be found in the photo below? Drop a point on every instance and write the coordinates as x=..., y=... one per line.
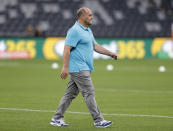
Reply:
x=85, y=16
x=82, y=11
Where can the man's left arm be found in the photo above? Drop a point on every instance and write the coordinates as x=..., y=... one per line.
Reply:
x=99, y=49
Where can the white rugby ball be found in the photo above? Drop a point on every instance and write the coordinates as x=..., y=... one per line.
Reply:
x=55, y=65
x=109, y=67
x=162, y=69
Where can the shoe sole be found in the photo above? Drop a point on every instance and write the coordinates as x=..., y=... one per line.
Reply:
x=103, y=126
x=54, y=124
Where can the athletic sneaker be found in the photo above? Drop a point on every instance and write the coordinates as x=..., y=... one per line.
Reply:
x=102, y=124
x=59, y=122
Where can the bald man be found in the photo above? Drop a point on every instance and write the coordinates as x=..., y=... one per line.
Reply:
x=78, y=62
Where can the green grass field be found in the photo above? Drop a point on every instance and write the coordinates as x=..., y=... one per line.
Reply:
x=135, y=96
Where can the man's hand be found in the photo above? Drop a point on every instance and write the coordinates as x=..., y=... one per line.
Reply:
x=114, y=56
x=64, y=73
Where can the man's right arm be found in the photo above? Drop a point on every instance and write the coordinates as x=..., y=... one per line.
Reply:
x=66, y=56
x=99, y=49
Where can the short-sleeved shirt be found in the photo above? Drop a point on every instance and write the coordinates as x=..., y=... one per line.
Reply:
x=81, y=40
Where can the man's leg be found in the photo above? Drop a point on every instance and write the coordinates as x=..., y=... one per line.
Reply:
x=84, y=83
x=71, y=93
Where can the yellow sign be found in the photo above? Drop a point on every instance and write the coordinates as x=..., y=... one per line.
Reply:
x=53, y=47
x=131, y=49
x=162, y=45
x=18, y=47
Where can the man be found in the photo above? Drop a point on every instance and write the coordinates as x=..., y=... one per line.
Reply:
x=78, y=62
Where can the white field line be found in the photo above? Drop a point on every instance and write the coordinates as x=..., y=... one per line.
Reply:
x=85, y=113
x=134, y=91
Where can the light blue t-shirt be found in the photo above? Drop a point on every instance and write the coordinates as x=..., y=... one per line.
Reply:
x=82, y=41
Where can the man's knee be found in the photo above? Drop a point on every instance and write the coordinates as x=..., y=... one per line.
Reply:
x=74, y=96
x=70, y=96
x=86, y=94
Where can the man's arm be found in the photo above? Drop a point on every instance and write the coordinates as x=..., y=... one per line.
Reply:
x=99, y=49
x=66, y=56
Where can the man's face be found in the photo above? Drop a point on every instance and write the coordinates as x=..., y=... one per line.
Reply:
x=88, y=17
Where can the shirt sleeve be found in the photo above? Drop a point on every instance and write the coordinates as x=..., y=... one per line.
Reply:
x=72, y=38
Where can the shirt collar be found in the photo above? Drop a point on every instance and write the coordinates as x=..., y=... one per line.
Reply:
x=84, y=28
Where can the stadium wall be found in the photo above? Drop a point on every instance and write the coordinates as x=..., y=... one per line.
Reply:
x=52, y=48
